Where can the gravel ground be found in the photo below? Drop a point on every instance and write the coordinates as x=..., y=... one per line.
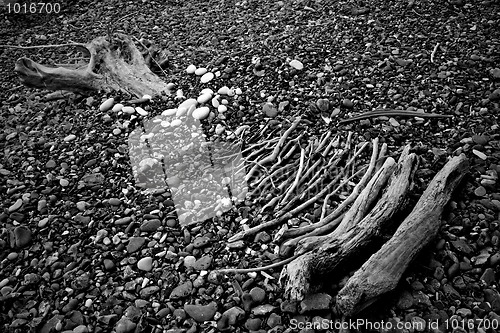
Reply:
x=83, y=249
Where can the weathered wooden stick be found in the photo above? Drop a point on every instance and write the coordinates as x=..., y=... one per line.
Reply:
x=383, y=270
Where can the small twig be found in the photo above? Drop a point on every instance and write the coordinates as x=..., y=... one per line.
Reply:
x=392, y=113
x=297, y=177
x=434, y=52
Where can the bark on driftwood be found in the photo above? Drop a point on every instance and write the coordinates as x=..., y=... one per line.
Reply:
x=382, y=271
x=114, y=65
x=357, y=233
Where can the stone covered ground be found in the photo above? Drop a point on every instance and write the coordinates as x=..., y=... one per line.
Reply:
x=83, y=249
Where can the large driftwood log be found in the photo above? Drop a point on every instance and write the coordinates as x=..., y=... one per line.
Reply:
x=383, y=270
x=322, y=256
x=114, y=65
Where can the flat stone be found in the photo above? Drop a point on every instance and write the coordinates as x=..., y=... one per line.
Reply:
x=125, y=325
x=135, y=243
x=405, y=301
x=200, y=242
x=182, y=290
x=107, y=105
x=203, y=263
x=273, y=320
x=315, y=302
x=288, y=306
x=253, y=324
x=150, y=225
x=201, y=313
x=149, y=291
x=461, y=246
x=263, y=310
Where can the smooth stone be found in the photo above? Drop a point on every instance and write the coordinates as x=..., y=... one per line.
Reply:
x=107, y=104
x=187, y=103
x=207, y=77
x=230, y=317
x=189, y=261
x=22, y=236
x=480, y=191
x=201, y=313
x=108, y=264
x=203, y=263
x=150, y=225
x=191, y=69
x=223, y=90
x=219, y=129
x=479, y=154
x=263, y=310
x=200, y=71
x=176, y=122
x=269, y=110
x=117, y=107
x=135, y=243
x=149, y=291
x=145, y=264
x=200, y=242
x=296, y=64
x=204, y=98
x=141, y=111
x=69, y=138
x=181, y=110
x=253, y=324
x=16, y=205
x=123, y=220
x=258, y=294
x=274, y=320
x=347, y=103
x=81, y=329
x=323, y=104
x=222, y=108
x=169, y=112
x=125, y=325
x=201, y=113
x=128, y=109
x=182, y=290
x=114, y=202
x=315, y=302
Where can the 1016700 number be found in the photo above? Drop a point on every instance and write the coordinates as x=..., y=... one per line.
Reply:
x=19, y=7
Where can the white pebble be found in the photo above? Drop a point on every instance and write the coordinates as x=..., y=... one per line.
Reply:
x=219, y=129
x=201, y=113
x=479, y=154
x=223, y=90
x=224, y=101
x=191, y=109
x=169, y=112
x=117, y=107
x=107, y=104
x=190, y=69
x=222, y=108
x=182, y=110
x=141, y=111
x=176, y=122
x=145, y=264
x=148, y=97
x=200, y=71
x=204, y=98
x=238, y=91
x=296, y=64
x=165, y=123
x=207, y=77
x=206, y=91
x=215, y=102
x=128, y=109
x=188, y=102
x=88, y=303
x=170, y=86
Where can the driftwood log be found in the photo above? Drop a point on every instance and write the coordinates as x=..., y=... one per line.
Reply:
x=363, y=231
x=383, y=270
x=114, y=65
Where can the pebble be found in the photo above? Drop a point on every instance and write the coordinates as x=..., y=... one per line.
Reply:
x=253, y=324
x=495, y=95
x=207, y=77
x=230, y=317
x=201, y=313
x=128, y=109
x=63, y=182
x=204, y=98
x=480, y=191
x=191, y=69
x=141, y=111
x=269, y=110
x=479, y=154
x=189, y=261
x=16, y=205
x=273, y=320
x=347, y=103
x=223, y=90
x=145, y=264
x=135, y=243
x=22, y=236
x=296, y=64
x=150, y=225
x=258, y=294
x=315, y=302
x=219, y=129
x=169, y=112
x=203, y=263
x=182, y=290
x=200, y=71
x=201, y=113
x=69, y=138
x=222, y=108
x=125, y=325
x=323, y=104
x=117, y=107
x=107, y=104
